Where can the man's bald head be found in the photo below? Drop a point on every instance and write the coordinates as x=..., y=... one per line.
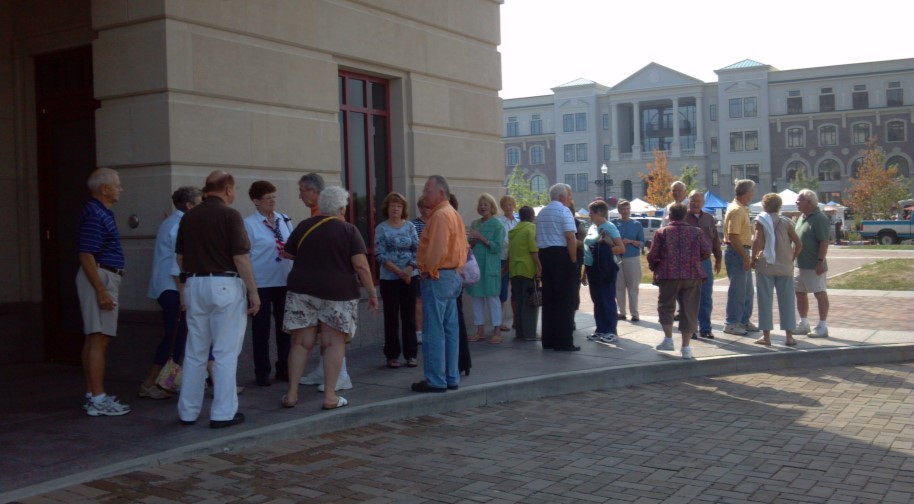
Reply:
x=222, y=184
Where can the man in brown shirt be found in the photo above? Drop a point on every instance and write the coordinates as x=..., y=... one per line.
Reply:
x=705, y=221
x=442, y=252
x=212, y=250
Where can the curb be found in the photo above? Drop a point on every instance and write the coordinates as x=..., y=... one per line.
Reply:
x=492, y=393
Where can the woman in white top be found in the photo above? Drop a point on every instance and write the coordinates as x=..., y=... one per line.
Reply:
x=268, y=231
x=507, y=204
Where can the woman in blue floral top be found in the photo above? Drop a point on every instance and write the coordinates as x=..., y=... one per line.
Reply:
x=395, y=245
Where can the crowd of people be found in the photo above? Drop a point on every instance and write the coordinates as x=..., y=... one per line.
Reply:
x=213, y=269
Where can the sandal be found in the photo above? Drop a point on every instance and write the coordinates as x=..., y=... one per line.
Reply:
x=412, y=362
x=495, y=340
x=474, y=339
x=761, y=341
x=340, y=402
x=393, y=364
x=287, y=404
x=791, y=343
x=505, y=328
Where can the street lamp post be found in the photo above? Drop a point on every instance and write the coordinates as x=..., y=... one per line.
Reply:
x=604, y=170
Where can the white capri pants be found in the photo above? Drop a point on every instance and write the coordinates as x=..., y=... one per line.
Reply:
x=479, y=305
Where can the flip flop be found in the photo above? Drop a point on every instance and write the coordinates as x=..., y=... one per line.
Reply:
x=340, y=402
x=762, y=342
x=505, y=328
x=286, y=404
x=791, y=343
x=495, y=340
x=474, y=339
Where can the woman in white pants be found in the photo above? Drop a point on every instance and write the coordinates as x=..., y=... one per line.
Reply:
x=629, y=279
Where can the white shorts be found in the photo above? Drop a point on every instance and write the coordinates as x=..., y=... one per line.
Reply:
x=96, y=320
x=806, y=280
x=303, y=311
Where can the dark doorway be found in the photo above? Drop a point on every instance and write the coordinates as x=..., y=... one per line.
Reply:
x=65, y=111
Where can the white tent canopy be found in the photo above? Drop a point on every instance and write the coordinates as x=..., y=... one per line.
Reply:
x=788, y=203
x=641, y=206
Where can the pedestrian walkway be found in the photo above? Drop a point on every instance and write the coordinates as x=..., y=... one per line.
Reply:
x=838, y=434
x=48, y=442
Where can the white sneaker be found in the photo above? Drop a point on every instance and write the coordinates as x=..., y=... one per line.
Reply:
x=315, y=377
x=108, y=407
x=687, y=353
x=750, y=327
x=343, y=383
x=666, y=345
x=819, y=332
x=608, y=338
x=594, y=337
x=735, y=329
x=802, y=328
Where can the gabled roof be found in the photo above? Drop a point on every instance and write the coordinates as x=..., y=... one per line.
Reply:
x=577, y=82
x=746, y=63
x=654, y=75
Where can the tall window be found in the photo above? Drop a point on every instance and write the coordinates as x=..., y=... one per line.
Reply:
x=537, y=155
x=569, y=153
x=627, y=189
x=736, y=141
x=904, y=168
x=751, y=140
x=829, y=170
x=715, y=178
x=750, y=107
x=743, y=140
x=828, y=135
x=575, y=152
x=894, y=95
x=567, y=123
x=538, y=184
x=580, y=121
x=581, y=152
x=752, y=172
x=736, y=108
x=826, y=100
x=364, y=119
x=536, y=125
x=737, y=171
x=606, y=121
x=855, y=167
x=577, y=181
x=861, y=97
x=583, y=185
x=713, y=145
x=894, y=131
x=713, y=112
x=606, y=153
x=512, y=156
x=794, y=168
x=794, y=102
x=512, y=127
x=860, y=132
x=795, y=138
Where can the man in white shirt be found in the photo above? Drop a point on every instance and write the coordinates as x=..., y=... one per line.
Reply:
x=558, y=250
x=679, y=196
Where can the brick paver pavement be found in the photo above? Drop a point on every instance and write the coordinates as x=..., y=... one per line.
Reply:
x=841, y=434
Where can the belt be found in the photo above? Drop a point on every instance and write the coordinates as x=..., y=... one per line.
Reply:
x=225, y=274
x=747, y=247
x=116, y=271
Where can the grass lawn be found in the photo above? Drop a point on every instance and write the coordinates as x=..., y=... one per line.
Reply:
x=881, y=247
x=888, y=274
x=648, y=277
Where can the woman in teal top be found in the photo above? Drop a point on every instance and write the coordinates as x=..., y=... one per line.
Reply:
x=487, y=237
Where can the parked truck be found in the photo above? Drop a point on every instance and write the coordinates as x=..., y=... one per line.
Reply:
x=888, y=232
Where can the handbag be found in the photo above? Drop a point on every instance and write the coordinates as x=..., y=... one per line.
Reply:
x=169, y=378
x=535, y=294
x=470, y=274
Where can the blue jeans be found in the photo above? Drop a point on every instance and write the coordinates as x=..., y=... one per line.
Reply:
x=741, y=292
x=706, y=304
x=505, y=282
x=440, y=329
x=603, y=295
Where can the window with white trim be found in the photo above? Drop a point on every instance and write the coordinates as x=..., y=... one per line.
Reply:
x=860, y=133
x=895, y=131
x=829, y=170
x=796, y=137
x=828, y=135
x=512, y=130
x=894, y=95
x=512, y=156
x=537, y=155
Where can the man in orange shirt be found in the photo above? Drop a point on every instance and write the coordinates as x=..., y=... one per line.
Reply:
x=442, y=252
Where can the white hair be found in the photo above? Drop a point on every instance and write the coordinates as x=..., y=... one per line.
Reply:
x=810, y=196
x=743, y=186
x=100, y=177
x=333, y=200
x=556, y=191
x=678, y=183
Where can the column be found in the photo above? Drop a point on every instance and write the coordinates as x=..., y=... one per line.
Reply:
x=636, y=124
x=614, y=147
x=674, y=147
x=699, y=127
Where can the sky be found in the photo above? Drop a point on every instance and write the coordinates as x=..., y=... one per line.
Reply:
x=546, y=43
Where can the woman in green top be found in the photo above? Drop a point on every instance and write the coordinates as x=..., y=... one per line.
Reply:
x=523, y=267
x=487, y=237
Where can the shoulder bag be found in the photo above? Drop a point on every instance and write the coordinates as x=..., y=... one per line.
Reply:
x=470, y=274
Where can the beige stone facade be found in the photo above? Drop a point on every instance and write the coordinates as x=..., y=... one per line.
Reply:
x=251, y=87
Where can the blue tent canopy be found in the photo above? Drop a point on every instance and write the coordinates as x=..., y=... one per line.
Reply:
x=713, y=202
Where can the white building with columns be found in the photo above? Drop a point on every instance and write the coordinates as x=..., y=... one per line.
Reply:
x=755, y=122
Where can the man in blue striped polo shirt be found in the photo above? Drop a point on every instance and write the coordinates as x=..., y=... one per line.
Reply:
x=101, y=260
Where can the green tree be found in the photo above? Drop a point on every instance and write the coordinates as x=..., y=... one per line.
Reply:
x=689, y=177
x=802, y=181
x=875, y=188
x=519, y=188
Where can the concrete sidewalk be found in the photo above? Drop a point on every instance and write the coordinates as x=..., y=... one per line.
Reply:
x=48, y=442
